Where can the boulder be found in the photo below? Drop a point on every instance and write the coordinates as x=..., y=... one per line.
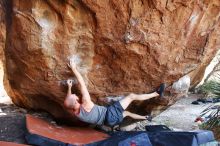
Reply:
x=119, y=46
x=182, y=85
x=3, y=81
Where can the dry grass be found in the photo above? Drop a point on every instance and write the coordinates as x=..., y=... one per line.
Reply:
x=216, y=131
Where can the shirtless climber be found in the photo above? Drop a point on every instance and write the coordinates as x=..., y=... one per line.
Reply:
x=112, y=115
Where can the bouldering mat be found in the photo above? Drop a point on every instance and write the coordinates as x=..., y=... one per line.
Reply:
x=161, y=138
x=125, y=139
x=40, y=131
x=4, y=143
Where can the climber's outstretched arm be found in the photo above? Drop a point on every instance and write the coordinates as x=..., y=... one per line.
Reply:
x=84, y=91
x=69, y=83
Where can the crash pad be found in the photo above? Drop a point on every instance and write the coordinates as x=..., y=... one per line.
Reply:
x=69, y=135
x=157, y=128
x=181, y=138
x=4, y=143
x=159, y=138
x=125, y=138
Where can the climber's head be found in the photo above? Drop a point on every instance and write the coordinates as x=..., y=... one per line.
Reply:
x=72, y=102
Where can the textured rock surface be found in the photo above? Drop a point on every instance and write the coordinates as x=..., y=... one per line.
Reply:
x=120, y=46
x=2, y=46
x=182, y=85
x=212, y=42
x=2, y=29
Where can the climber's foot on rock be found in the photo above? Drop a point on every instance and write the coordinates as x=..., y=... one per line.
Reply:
x=149, y=118
x=161, y=90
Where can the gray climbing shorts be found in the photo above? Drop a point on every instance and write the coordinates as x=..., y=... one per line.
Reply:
x=114, y=114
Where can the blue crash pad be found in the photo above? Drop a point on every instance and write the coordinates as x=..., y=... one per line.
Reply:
x=162, y=138
x=170, y=138
x=204, y=136
x=125, y=139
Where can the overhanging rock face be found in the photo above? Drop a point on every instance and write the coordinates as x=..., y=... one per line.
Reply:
x=2, y=45
x=119, y=46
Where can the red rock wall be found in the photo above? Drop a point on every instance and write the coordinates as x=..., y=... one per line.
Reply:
x=3, y=82
x=120, y=46
x=212, y=42
x=2, y=37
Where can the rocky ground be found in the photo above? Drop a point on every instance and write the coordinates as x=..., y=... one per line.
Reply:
x=179, y=116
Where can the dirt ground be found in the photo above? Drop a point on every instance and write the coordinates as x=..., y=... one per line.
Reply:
x=181, y=115
x=12, y=127
x=12, y=122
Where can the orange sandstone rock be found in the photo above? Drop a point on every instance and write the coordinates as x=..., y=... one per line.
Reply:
x=120, y=47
